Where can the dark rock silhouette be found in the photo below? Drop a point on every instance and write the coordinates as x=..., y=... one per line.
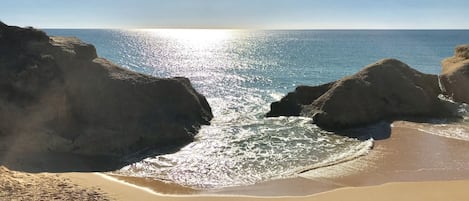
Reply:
x=56, y=95
x=291, y=104
x=454, y=77
x=386, y=90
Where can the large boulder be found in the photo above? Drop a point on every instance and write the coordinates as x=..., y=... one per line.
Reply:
x=385, y=90
x=454, y=77
x=56, y=95
x=292, y=104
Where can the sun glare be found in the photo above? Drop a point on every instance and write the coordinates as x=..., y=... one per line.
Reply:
x=194, y=38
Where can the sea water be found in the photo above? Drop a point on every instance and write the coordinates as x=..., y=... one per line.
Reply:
x=241, y=72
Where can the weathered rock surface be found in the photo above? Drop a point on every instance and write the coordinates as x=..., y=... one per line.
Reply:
x=57, y=95
x=454, y=77
x=386, y=90
x=292, y=104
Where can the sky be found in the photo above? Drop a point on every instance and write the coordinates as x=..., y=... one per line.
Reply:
x=248, y=14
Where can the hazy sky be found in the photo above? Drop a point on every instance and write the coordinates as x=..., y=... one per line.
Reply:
x=260, y=14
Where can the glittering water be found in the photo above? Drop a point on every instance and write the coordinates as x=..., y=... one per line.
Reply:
x=241, y=73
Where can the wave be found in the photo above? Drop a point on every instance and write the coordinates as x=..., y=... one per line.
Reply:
x=338, y=158
x=458, y=130
x=228, y=155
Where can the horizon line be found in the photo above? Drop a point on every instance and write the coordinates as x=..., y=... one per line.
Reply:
x=251, y=27
x=267, y=29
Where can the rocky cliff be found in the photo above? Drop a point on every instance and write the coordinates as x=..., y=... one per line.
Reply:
x=454, y=77
x=56, y=95
x=385, y=90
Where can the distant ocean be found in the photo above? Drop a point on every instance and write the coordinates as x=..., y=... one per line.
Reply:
x=241, y=73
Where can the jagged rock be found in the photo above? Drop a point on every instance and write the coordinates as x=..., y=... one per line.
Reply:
x=57, y=95
x=454, y=77
x=386, y=90
x=291, y=104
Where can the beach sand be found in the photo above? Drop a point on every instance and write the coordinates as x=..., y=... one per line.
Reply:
x=404, y=191
x=44, y=186
x=408, y=155
x=410, y=165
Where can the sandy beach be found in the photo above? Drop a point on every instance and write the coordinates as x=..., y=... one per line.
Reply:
x=442, y=190
x=44, y=186
x=410, y=165
x=409, y=155
x=97, y=186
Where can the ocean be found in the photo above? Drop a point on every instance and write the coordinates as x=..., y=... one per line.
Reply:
x=241, y=72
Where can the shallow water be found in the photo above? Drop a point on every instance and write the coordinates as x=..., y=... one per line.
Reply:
x=456, y=129
x=248, y=153
x=241, y=73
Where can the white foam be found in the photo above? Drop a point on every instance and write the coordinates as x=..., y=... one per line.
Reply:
x=272, y=148
x=458, y=130
x=351, y=154
x=276, y=96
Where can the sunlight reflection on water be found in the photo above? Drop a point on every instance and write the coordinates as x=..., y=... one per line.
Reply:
x=240, y=146
x=241, y=72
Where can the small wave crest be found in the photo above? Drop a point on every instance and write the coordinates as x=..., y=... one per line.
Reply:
x=459, y=131
x=276, y=96
x=348, y=155
x=455, y=130
x=443, y=127
x=227, y=155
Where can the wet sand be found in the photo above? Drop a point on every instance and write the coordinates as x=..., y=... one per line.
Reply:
x=403, y=191
x=408, y=155
x=425, y=167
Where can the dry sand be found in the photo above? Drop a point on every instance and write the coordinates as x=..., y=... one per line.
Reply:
x=408, y=191
x=411, y=165
x=44, y=186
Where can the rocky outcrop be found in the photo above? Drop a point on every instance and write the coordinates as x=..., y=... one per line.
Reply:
x=454, y=77
x=56, y=95
x=292, y=104
x=386, y=90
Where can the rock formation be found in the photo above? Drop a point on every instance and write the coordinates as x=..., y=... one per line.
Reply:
x=56, y=95
x=454, y=77
x=292, y=104
x=386, y=90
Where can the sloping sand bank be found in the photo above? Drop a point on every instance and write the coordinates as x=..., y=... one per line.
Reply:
x=411, y=191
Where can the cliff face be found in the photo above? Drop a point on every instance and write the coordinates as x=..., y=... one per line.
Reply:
x=385, y=90
x=57, y=95
x=454, y=77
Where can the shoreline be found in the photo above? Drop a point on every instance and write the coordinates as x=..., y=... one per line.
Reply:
x=409, y=155
x=411, y=162
x=404, y=191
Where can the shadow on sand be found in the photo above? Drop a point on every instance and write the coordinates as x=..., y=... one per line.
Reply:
x=35, y=162
x=382, y=129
